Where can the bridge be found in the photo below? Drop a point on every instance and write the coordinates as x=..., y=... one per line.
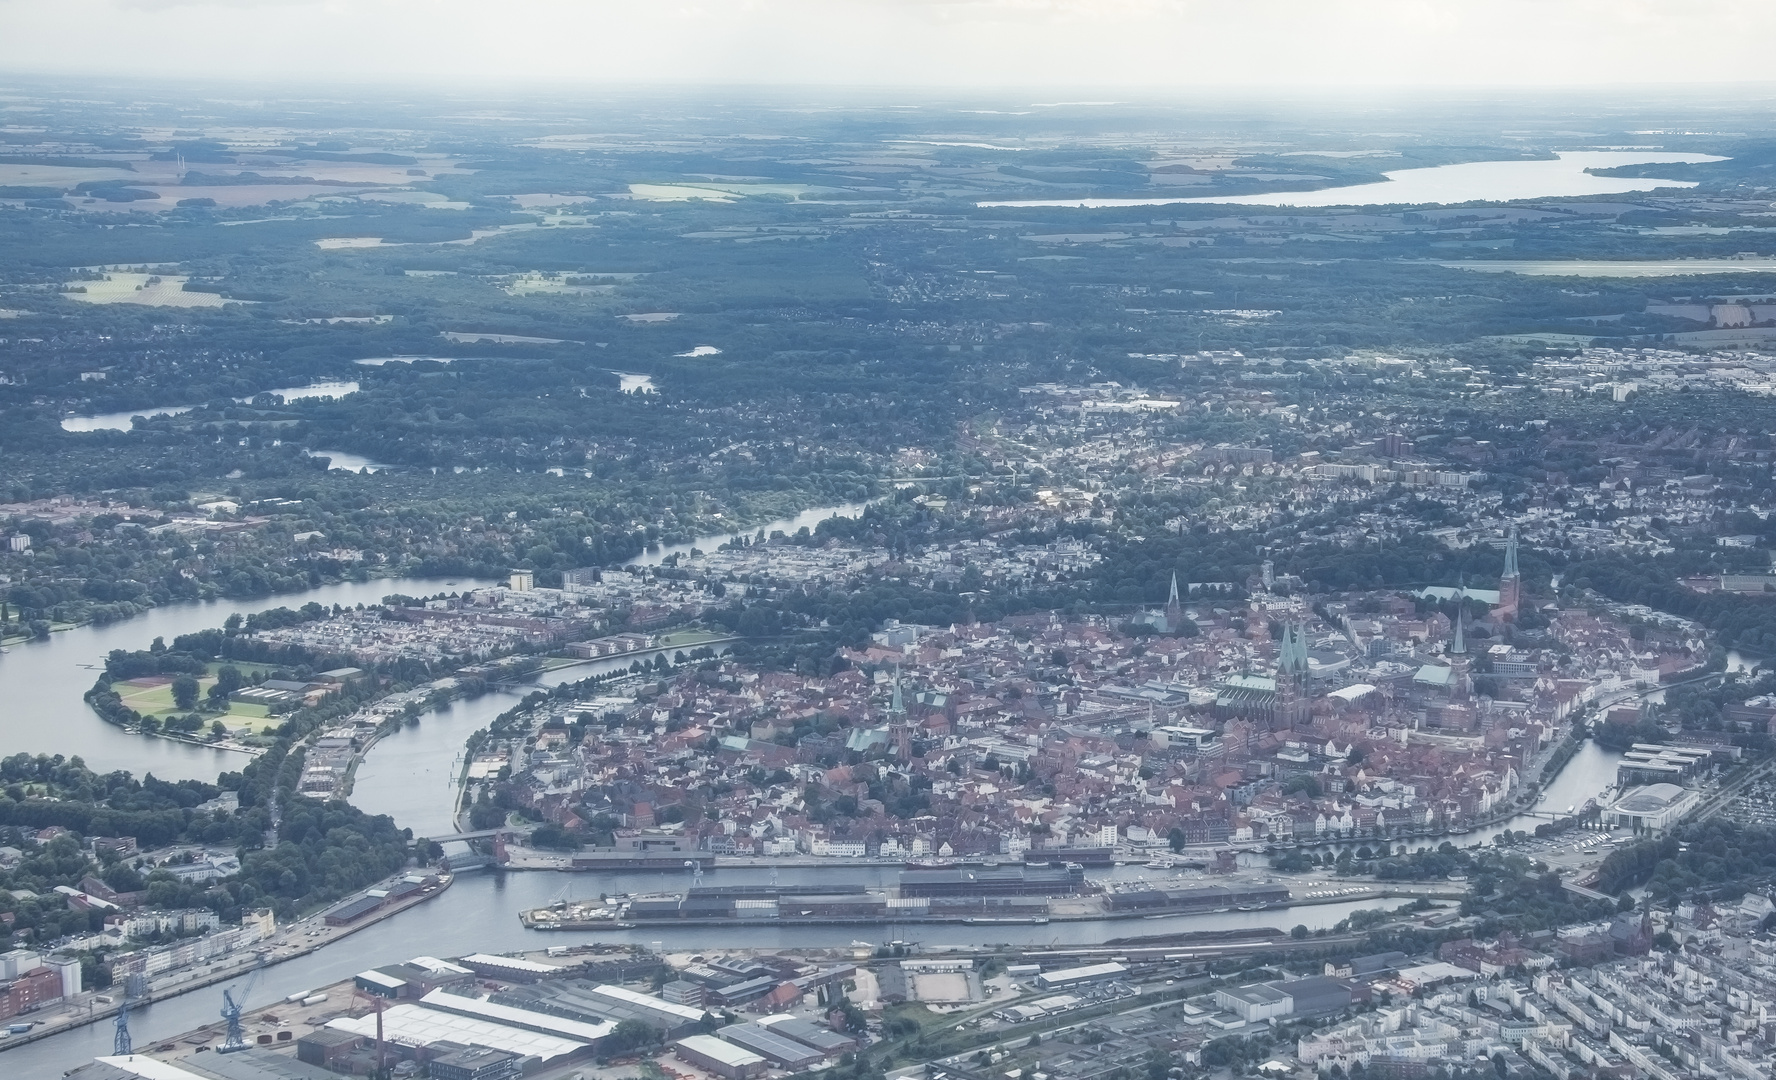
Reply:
x=483, y=834
x=1579, y=890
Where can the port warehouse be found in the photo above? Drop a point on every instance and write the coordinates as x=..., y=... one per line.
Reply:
x=1202, y=898
x=249, y=1064
x=1067, y=978
x=546, y=1022
x=353, y=910
x=957, y=890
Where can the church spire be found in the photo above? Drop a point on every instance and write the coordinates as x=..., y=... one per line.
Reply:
x=896, y=707
x=1510, y=582
x=1459, y=646
x=1174, y=613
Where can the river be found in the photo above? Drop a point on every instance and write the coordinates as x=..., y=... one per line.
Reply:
x=807, y=519
x=480, y=914
x=43, y=682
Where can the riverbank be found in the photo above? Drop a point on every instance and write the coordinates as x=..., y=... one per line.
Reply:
x=298, y=939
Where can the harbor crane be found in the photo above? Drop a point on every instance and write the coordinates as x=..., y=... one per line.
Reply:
x=134, y=990
x=234, y=1041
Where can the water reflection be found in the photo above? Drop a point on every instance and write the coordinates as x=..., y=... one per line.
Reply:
x=807, y=519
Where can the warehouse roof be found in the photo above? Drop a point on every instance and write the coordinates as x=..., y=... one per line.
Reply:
x=647, y=1001
x=717, y=1050
x=553, y=1025
x=416, y=1025
x=513, y=962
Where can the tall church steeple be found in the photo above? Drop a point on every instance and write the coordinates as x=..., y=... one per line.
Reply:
x=899, y=732
x=1511, y=582
x=1292, y=676
x=1174, y=608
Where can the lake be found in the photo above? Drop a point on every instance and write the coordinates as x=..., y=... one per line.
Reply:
x=1474, y=181
x=339, y=459
x=312, y=390
x=117, y=421
x=1615, y=268
x=123, y=421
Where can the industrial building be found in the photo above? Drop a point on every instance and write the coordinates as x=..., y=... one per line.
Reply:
x=476, y=1063
x=1066, y=978
x=973, y=881
x=1202, y=898
x=249, y=1064
x=463, y=1020
x=508, y=968
x=1315, y=996
x=724, y=1059
x=780, y=1050
x=827, y=1041
x=1654, y=763
x=596, y=1002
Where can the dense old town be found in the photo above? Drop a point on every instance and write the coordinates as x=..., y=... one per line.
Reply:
x=1203, y=721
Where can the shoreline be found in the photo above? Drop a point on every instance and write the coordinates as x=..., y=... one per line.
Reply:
x=248, y=960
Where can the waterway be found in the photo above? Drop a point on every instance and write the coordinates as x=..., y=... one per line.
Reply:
x=807, y=519
x=411, y=775
x=1474, y=181
x=42, y=683
x=124, y=421
x=480, y=914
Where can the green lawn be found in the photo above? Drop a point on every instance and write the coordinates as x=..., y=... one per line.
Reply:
x=157, y=701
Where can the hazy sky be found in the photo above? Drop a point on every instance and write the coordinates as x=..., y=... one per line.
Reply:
x=1023, y=43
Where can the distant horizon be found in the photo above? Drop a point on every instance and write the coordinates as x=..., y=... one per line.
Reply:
x=1130, y=46
x=1043, y=96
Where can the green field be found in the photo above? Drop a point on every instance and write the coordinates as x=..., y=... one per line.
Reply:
x=157, y=701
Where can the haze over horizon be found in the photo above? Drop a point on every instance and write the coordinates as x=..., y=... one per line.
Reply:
x=1137, y=44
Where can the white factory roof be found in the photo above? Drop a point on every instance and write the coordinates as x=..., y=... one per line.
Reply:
x=727, y=1053
x=432, y=963
x=148, y=1068
x=648, y=1001
x=513, y=962
x=1089, y=971
x=481, y=1007
x=388, y=982
x=1435, y=971
x=416, y=1025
